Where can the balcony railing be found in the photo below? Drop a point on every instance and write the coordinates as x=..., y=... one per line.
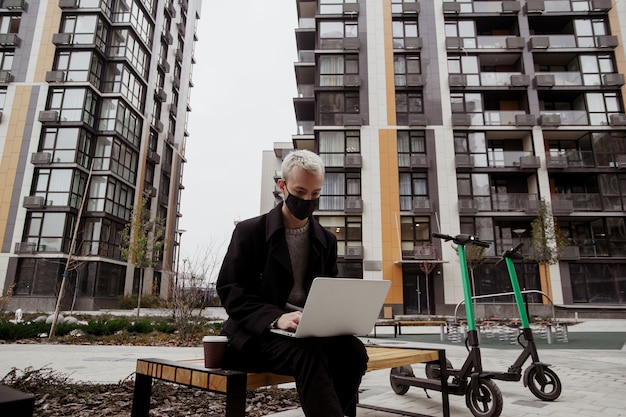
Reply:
x=506, y=159
x=499, y=202
x=306, y=91
x=562, y=203
x=488, y=7
x=305, y=127
x=562, y=41
x=560, y=6
x=569, y=117
x=306, y=23
x=306, y=56
x=485, y=42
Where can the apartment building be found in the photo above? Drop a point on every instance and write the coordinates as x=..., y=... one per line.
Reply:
x=462, y=117
x=94, y=96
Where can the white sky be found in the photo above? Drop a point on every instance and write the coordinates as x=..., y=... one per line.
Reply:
x=242, y=102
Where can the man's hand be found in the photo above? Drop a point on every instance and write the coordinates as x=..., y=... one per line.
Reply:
x=289, y=321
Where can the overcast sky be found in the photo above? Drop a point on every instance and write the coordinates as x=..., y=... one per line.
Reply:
x=242, y=102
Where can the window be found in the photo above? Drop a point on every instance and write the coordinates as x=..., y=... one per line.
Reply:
x=410, y=143
x=6, y=60
x=60, y=187
x=10, y=23
x=401, y=30
x=116, y=116
x=467, y=65
x=587, y=31
x=102, y=238
x=120, y=79
x=124, y=44
x=80, y=66
x=3, y=98
x=332, y=33
x=333, y=105
x=38, y=277
x=347, y=230
x=601, y=105
x=334, y=146
x=333, y=68
x=396, y=5
x=134, y=14
x=333, y=6
x=67, y=145
x=114, y=155
x=593, y=67
x=85, y=30
x=462, y=29
x=338, y=186
x=406, y=104
x=405, y=66
x=415, y=234
x=74, y=104
x=466, y=103
x=109, y=195
x=412, y=185
x=48, y=231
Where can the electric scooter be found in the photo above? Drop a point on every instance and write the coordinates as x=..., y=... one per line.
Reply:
x=542, y=381
x=482, y=395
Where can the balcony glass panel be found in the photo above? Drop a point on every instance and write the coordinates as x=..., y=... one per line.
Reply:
x=483, y=7
x=569, y=117
x=559, y=6
x=306, y=56
x=581, y=201
x=565, y=79
x=562, y=41
x=581, y=159
x=306, y=23
x=490, y=42
x=501, y=159
x=305, y=127
x=306, y=90
x=495, y=79
x=501, y=117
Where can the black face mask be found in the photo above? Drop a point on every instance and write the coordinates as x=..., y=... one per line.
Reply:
x=301, y=209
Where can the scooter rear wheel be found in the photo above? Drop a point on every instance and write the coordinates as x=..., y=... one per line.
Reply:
x=398, y=387
x=486, y=401
x=550, y=389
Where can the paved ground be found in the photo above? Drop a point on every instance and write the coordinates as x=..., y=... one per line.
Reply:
x=594, y=380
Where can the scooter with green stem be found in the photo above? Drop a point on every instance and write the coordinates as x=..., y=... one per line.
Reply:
x=482, y=395
x=542, y=381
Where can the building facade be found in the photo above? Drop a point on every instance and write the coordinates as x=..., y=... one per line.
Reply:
x=94, y=97
x=465, y=117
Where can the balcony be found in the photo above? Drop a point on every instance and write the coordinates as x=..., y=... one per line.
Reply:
x=577, y=79
x=508, y=202
x=566, y=6
x=567, y=41
x=482, y=7
x=564, y=117
x=353, y=205
x=421, y=205
x=485, y=42
x=10, y=40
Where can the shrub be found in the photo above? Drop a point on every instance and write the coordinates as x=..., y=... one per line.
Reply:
x=140, y=326
x=164, y=327
x=115, y=325
x=23, y=330
x=96, y=327
x=128, y=302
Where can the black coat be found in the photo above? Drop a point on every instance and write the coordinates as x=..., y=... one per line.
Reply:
x=256, y=278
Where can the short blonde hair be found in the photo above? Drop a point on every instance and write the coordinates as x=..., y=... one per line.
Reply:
x=309, y=161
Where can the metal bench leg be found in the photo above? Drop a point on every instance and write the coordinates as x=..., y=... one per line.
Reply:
x=236, y=395
x=141, y=396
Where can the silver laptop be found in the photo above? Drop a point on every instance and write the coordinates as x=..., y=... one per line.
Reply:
x=340, y=306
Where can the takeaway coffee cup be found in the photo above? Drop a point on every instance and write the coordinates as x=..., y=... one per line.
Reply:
x=214, y=348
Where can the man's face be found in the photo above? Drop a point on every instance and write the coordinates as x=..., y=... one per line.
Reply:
x=302, y=184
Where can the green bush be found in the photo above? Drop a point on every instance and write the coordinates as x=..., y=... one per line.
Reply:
x=164, y=327
x=63, y=329
x=23, y=330
x=97, y=327
x=116, y=325
x=140, y=326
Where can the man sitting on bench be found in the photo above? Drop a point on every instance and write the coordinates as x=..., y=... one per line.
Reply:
x=270, y=264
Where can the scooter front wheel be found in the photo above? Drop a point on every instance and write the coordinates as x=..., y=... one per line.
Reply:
x=547, y=390
x=486, y=400
x=398, y=387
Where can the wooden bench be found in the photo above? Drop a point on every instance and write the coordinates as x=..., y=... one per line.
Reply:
x=386, y=323
x=234, y=384
x=443, y=325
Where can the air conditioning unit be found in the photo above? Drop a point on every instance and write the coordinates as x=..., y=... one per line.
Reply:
x=151, y=191
x=413, y=43
x=33, y=201
x=520, y=80
x=525, y=120
x=179, y=55
x=550, y=120
x=410, y=8
x=351, y=9
x=464, y=161
x=25, y=247
x=68, y=4
x=613, y=80
x=158, y=126
x=62, y=38
x=352, y=161
x=164, y=65
x=607, y=41
x=454, y=42
x=414, y=80
x=5, y=77
x=48, y=116
x=467, y=205
x=154, y=156
x=170, y=9
x=618, y=119
x=181, y=29
x=353, y=205
x=419, y=161
x=353, y=44
x=417, y=119
x=171, y=139
x=556, y=161
x=14, y=4
x=421, y=205
x=39, y=158
x=176, y=82
x=461, y=119
x=529, y=162
x=515, y=43
x=457, y=80
x=601, y=5
x=451, y=8
x=562, y=206
x=621, y=161
x=161, y=95
x=352, y=119
x=351, y=80
x=354, y=252
x=10, y=39
x=539, y=42
x=511, y=6
x=545, y=80
x=55, y=76
x=535, y=6
x=167, y=37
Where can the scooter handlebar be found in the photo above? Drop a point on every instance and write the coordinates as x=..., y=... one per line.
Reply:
x=511, y=253
x=462, y=239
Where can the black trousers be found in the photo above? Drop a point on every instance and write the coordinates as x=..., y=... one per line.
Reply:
x=327, y=370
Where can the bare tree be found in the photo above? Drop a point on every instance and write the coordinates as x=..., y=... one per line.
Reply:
x=143, y=239
x=193, y=287
x=547, y=244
